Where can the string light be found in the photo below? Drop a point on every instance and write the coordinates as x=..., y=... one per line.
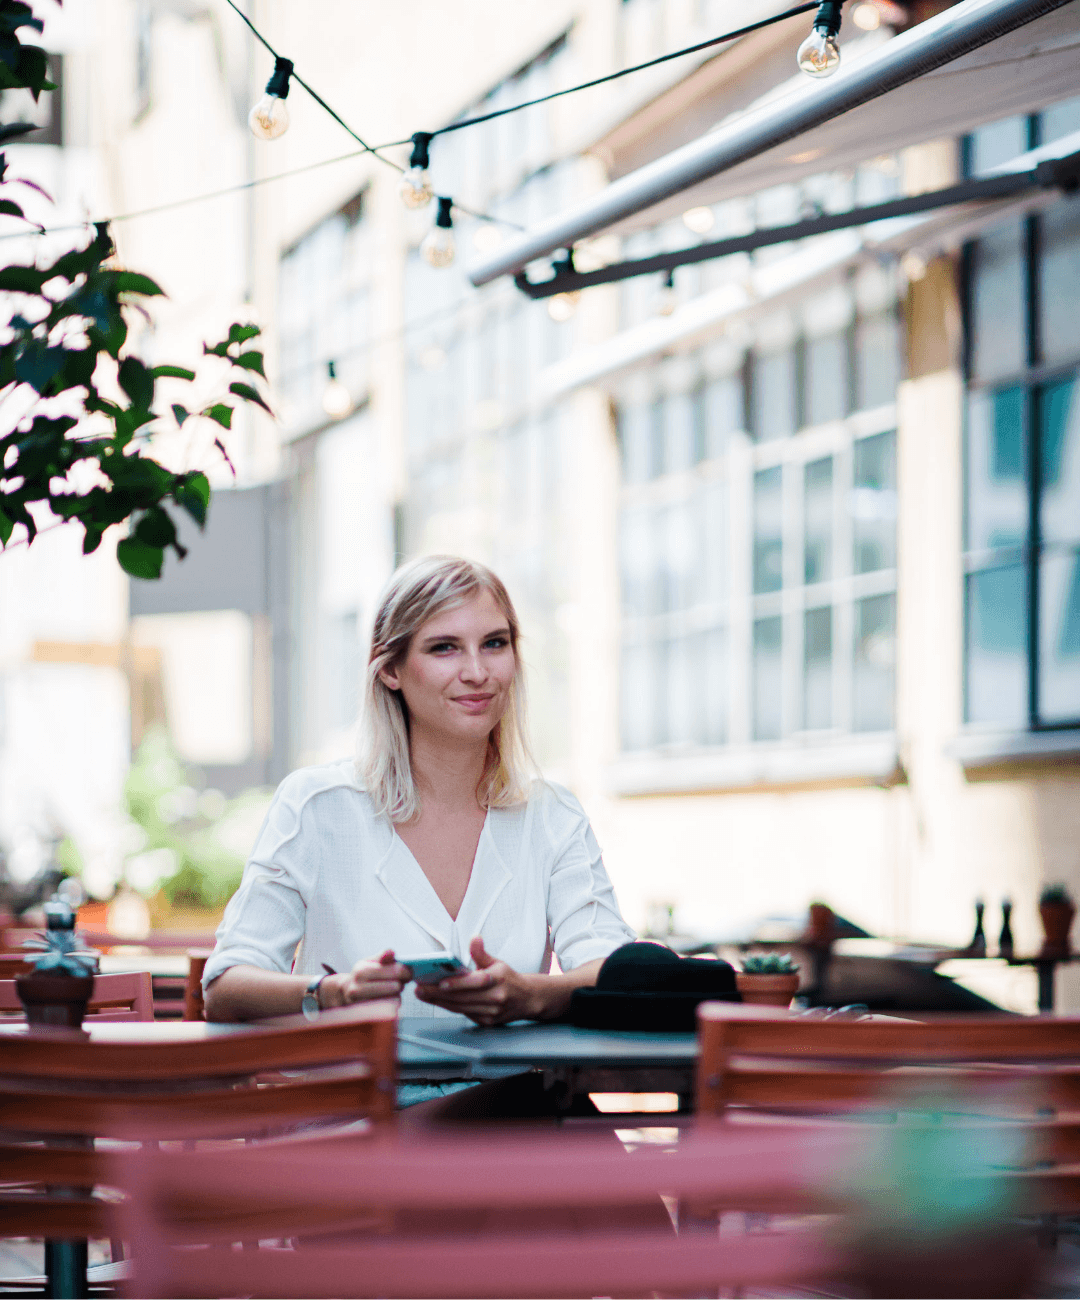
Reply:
x=561, y=306
x=819, y=54
x=336, y=399
x=269, y=119
x=415, y=188
x=438, y=248
x=667, y=299
x=699, y=220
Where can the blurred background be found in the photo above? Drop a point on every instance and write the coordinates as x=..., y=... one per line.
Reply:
x=794, y=538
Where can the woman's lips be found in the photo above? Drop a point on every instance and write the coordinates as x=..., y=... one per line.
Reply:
x=477, y=703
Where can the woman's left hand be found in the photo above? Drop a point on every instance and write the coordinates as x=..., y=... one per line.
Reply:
x=492, y=994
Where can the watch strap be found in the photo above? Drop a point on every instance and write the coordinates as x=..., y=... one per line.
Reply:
x=309, y=1004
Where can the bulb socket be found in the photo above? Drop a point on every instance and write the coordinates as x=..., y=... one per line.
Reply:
x=827, y=18
x=278, y=85
x=443, y=217
x=421, y=141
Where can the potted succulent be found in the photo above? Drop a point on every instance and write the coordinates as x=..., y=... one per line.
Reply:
x=57, y=988
x=1057, y=909
x=768, y=980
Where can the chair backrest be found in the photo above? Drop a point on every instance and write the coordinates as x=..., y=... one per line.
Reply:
x=162, y=941
x=194, y=1006
x=123, y=996
x=758, y=1057
x=476, y=1216
x=202, y=1080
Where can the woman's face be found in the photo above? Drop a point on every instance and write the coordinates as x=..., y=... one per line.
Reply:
x=457, y=674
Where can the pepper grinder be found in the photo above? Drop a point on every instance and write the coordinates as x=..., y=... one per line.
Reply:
x=977, y=946
x=1005, y=939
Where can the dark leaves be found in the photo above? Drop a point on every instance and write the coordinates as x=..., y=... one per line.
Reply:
x=139, y=558
x=9, y=209
x=250, y=361
x=221, y=413
x=249, y=394
x=137, y=382
x=193, y=494
x=172, y=372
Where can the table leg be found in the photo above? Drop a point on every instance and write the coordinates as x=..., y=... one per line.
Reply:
x=1046, y=984
x=65, y=1270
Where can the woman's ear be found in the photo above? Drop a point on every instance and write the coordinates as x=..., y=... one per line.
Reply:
x=389, y=679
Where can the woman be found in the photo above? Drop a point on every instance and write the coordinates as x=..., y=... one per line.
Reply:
x=432, y=840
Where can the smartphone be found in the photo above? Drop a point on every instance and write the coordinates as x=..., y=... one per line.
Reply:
x=430, y=967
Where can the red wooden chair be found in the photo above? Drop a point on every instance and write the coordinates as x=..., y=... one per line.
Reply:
x=124, y=996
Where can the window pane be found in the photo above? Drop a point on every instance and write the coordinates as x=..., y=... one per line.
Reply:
x=874, y=667
x=997, y=303
x=1059, y=637
x=774, y=396
x=997, y=508
x=635, y=436
x=768, y=523
x=714, y=559
x=636, y=691
x=1059, y=281
x=683, y=706
x=873, y=504
x=767, y=679
x=877, y=360
x=817, y=668
x=678, y=433
x=638, y=562
x=722, y=408
x=826, y=378
x=1059, y=462
x=818, y=520
x=997, y=143
x=997, y=646
x=714, y=712
x=1062, y=119
x=680, y=555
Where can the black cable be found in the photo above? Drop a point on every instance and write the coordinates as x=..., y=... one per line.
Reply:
x=613, y=76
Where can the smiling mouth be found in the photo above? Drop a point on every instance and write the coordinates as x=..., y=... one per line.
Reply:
x=473, y=699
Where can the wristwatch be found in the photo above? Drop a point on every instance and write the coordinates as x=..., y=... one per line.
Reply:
x=309, y=1004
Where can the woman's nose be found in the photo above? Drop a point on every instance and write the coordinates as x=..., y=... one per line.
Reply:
x=472, y=669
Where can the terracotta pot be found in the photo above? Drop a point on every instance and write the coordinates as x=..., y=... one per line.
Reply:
x=55, y=999
x=1057, y=919
x=767, y=990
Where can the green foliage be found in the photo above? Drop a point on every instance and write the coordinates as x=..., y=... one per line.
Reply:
x=174, y=817
x=80, y=448
x=61, y=954
x=769, y=963
x=1055, y=893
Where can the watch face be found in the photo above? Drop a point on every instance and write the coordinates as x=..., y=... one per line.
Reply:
x=310, y=1004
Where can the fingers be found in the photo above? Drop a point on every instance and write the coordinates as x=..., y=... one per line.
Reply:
x=475, y=979
x=480, y=954
x=369, y=990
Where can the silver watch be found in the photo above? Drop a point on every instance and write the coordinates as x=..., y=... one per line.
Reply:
x=309, y=1004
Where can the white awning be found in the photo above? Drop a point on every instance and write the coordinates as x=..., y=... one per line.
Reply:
x=978, y=61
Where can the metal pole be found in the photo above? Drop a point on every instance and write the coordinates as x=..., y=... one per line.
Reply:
x=934, y=43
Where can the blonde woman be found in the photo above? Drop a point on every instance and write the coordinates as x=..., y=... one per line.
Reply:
x=435, y=839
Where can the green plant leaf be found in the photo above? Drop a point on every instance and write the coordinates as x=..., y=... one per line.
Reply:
x=218, y=350
x=132, y=282
x=249, y=394
x=10, y=209
x=250, y=361
x=155, y=528
x=7, y=527
x=140, y=559
x=13, y=130
x=137, y=382
x=22, y=279
x=193, y=494
x=172, y=372
x=181, y=413
x=221, y=413
x=241, y=333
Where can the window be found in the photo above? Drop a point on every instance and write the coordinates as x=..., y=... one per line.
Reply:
x=324, y=313
x=758, y=530
x=1022, y=542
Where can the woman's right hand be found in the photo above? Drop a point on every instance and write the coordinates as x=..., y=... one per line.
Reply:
x=369, y=979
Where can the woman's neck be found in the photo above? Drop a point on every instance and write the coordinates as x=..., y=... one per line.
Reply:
x=447, y=774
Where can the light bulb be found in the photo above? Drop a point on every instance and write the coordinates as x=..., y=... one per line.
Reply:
x=415, y=188
x=866, y=16
x=667, y=299
x=438, y=247
x=336, y=399
x=819, y=54
x=561, y=306
x=699, y=220
x=270, y=118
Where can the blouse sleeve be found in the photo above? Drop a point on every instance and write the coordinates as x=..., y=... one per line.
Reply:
x=265, y=918
x=583, y=914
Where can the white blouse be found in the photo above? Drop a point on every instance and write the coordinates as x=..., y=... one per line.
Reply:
x=328, y=874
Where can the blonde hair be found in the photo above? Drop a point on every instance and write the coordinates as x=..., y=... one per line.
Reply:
x=416, y=592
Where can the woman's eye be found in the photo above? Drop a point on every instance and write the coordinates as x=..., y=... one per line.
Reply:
x=441, y=647
x=497, y=642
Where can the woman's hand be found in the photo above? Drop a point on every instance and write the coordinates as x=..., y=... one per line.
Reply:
x=370, y=979
x=492, y=994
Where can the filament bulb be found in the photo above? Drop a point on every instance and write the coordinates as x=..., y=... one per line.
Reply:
x=270, y=118
x=415, y=188
x=438, y=247
x=819, y=54
x=336, y=399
